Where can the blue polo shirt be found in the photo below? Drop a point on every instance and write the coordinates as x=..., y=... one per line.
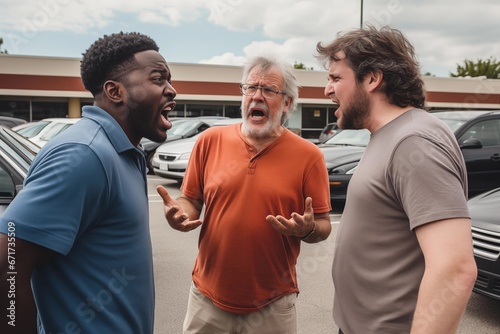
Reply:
x=85, y=197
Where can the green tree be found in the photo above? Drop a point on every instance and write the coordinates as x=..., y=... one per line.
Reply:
x=1, y=42
x=490, y=68
x=301, y=66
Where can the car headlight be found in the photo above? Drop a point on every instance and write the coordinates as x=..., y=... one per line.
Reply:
x=185, y=156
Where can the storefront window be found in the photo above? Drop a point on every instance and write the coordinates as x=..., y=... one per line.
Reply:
x=313, y=121
x=313, y=117
x=43, y=110
x=196, y=110
x=13, y=108
x=232, y=111
x=178, y=110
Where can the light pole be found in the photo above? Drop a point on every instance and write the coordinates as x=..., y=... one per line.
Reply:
x=361, y=19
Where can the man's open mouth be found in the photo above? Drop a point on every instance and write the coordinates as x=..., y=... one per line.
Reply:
x=257, y=114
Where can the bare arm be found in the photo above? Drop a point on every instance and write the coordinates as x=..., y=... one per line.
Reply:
x=450, y=273
x=18, y=258
x=310, y=227
x=182, y=213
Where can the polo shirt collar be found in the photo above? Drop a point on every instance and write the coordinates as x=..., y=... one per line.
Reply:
x=110, y=126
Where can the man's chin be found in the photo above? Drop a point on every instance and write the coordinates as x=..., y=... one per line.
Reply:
x=158, y=138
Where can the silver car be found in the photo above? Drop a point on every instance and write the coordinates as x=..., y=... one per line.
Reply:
x=171, y=159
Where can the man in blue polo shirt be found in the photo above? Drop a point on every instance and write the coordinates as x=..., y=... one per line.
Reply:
x=81, y=222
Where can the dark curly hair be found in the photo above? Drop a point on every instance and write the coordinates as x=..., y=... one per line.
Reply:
x=110, y=56
x=386, y=50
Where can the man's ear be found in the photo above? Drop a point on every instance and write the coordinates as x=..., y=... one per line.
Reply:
x=288, y=103
x=113, y=90
x=374, y=80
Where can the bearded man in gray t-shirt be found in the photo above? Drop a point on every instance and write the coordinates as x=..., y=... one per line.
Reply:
x=403, y=259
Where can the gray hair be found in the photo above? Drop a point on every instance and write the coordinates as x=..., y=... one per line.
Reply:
x=267, y=62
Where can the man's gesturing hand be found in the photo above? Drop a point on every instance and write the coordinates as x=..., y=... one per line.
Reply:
x=176, y=217
x=297, y=225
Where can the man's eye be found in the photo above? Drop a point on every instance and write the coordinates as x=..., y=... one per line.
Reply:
x=268, y=90
x=158, y=79
x=251, y=88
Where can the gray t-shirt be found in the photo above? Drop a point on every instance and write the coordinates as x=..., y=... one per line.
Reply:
x=412, y=173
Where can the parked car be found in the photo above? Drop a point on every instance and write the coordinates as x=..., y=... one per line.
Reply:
x=329, y=130
x=16, y=155
x=477, y=133
x=11, y=121
x=171, y=159
x=342, y=153
x=42, y=131
x=485, y=214
x=181, y=128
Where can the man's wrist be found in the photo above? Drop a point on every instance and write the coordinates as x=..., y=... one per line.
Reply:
x=308, y=235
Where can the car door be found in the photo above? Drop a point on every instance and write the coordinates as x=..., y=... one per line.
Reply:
x=483, y=161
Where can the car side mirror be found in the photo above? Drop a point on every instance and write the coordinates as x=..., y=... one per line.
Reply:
x=471, y=143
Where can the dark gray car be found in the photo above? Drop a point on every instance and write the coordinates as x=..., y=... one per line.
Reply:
x=16, y=155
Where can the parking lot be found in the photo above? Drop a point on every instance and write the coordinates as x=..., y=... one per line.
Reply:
x=174, y=254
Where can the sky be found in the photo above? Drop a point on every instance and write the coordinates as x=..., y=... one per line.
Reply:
x=444, y=32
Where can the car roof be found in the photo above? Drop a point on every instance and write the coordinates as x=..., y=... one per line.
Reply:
x=462, y=115
x=17, y=148
x=11, y=121
x=62, y=120
x=458, y=120
x=186, y=144
x=228, y=121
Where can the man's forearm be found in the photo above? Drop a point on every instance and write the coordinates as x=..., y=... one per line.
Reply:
x=441, y=304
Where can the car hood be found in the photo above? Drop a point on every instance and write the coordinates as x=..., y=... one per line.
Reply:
x=485, y=210
x=340, y=155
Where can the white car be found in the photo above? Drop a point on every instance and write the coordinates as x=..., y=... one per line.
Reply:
x=42, y=131
x=171, y=159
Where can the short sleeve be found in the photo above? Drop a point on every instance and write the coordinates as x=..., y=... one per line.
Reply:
x=61, y=198
x=428, y=181
x=317, y=186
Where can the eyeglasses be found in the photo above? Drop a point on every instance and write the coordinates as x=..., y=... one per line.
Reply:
x=267, y=92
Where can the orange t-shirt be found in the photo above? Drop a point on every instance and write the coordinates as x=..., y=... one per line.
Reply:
x=243, y=263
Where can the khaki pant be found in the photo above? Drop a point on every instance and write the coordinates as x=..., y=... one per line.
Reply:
x=203, y=317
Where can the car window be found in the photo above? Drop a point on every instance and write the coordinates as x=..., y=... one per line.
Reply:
x=453, y=123
x=350, y=138
x=7, y=187
x=33, y=130
x=487, y=132
x=55, y=130
x=183, y=127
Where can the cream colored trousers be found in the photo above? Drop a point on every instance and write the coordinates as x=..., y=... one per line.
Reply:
x=203, y=317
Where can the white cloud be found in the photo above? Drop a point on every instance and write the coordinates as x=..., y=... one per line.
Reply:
x=227, y=58
x=79, y=16
x=444, y=32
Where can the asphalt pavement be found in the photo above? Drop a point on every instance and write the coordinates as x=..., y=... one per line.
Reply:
x=174, y=254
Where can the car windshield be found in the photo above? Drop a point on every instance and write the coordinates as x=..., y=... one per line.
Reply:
x=33, y=130
x=182, y=127
x=453, y=123
x=455, y=119
x=55, y=130
x=350, y=138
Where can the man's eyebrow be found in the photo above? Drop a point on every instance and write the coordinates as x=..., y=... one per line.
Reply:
x=159, y=69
